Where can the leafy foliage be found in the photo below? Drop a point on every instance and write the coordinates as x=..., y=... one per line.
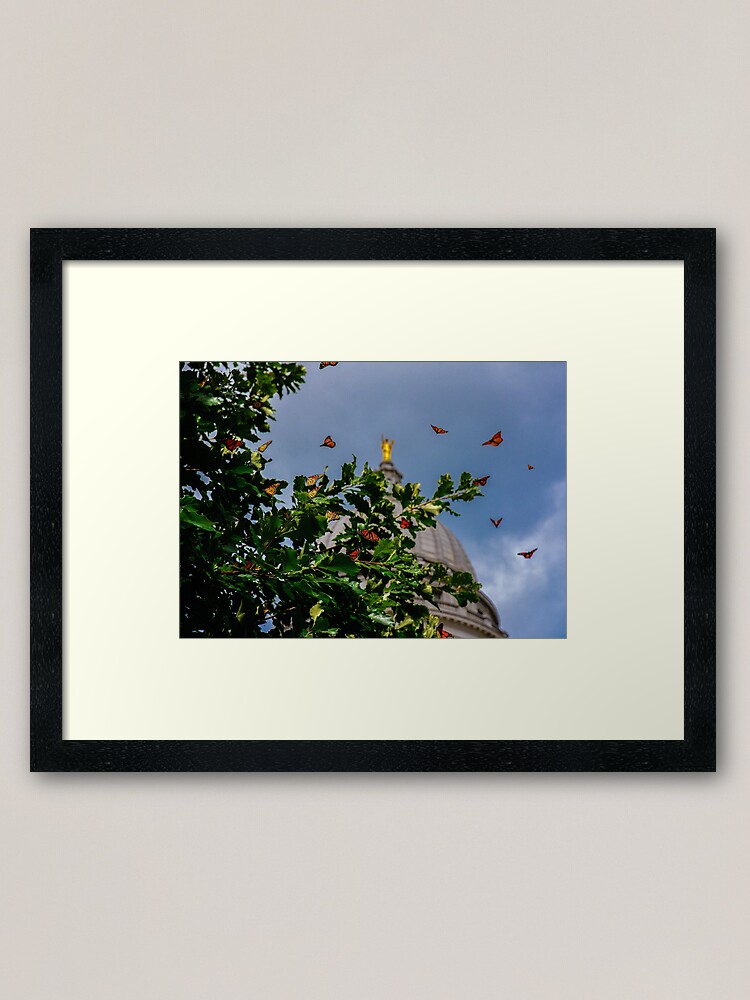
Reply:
x=254, y=565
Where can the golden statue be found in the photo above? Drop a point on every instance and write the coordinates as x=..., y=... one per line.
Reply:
x=386, y=445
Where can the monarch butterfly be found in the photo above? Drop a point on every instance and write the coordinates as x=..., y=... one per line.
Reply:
x=529, y=467
x=270, y=490
x=371, y=536
x=313, y=493
x=329, y=442
x=231, y=443
x=328, y=364
x=496, y=522
x=438, y=430
x=481, y=482
x=495, y=440
x=354, y=554
x=526, y=555
x=264, y=446
x=405, y=522
x=442, y=633
x=312, y=480
x=331, y=515
x=256, y=405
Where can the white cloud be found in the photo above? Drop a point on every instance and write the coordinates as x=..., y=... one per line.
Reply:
x=526, y=591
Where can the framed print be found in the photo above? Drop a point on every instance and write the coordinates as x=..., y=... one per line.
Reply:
x=205, y=498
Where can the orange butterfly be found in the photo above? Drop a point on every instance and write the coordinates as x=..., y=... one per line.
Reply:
x=529, y=467
x=495, y=440
x=481, y=482
x=526, y=555
x=329, y=442
x=405, y=522
x=331, y=515
x=313, y=493
x=231, y=443
x=270, y=490
x=264, y=446
x=438, y=430
x=496, y=522
x=328, y=364
x=442, y=633
x=312, y=480
x=354, y=554
x=371, y=536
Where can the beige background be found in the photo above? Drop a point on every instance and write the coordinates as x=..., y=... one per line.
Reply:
x=345, y=113
x=619, y=327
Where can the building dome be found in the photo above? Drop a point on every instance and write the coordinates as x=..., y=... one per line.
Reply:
x=475, y=621
x=439, y=545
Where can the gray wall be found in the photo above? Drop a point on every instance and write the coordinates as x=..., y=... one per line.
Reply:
x=338, y=112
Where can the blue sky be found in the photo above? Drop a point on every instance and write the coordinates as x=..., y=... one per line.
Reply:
x=357, y=402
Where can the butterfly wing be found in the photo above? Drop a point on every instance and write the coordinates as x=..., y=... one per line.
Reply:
x=438, y=430
x=328, y=364
x=481, y=482
x=495, y=440
x=329, y=442
x=529, y=467
x=443, y=633
x=264, y=446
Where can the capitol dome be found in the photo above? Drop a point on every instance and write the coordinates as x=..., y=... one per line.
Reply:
x=475, y=621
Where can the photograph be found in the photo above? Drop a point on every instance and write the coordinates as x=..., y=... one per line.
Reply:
x=373, y=499
x=471, y=455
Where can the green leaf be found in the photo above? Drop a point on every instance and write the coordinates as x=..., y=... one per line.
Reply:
x=381, y=619
x=191, y=516
x=343, y=564
x=289, y=561
x=384, y=548
x=316, y=611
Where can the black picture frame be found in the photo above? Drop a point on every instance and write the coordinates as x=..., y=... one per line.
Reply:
x=50, y=248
